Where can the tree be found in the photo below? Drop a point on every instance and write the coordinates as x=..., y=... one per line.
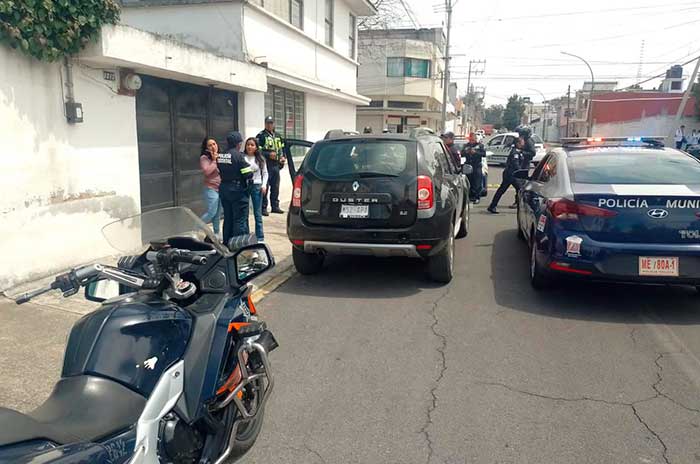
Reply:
x=696, y=94
x=391, y=14
x=513, y=114
x=494, y=115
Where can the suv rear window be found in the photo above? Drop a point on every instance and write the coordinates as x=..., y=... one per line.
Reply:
x=634, y=168
x=359, y=158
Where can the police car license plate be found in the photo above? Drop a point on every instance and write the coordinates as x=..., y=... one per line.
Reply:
x=658, y=266
x=354, y=211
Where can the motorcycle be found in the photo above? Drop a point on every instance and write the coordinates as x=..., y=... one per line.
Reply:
x=172, y=367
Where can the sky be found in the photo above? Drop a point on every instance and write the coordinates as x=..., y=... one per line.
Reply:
x=522, y=42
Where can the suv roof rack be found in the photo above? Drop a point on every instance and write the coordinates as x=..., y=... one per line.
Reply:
x=339, y=133
x=420, y=132
x=638, y=141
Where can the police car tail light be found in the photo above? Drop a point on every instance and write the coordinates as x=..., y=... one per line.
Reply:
x=296, y=193
x=567, y=210
x=426, y=198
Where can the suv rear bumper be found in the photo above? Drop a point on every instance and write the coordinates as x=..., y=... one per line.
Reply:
x=424, y=238
x=369, y=249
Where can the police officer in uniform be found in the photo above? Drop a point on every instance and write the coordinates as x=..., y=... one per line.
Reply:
x=514, y=163
x=529, y=149
x=271, y=146
x=236, y=173
x=475, y=153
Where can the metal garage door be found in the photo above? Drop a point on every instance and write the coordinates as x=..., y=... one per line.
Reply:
x=172, y=119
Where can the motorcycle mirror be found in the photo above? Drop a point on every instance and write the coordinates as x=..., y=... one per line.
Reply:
x=252, y=261
x=101, y=290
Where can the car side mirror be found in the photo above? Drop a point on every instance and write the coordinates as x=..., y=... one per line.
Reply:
x=467, y=169
x=522, y=174
x=101, y=290
x=252, y=261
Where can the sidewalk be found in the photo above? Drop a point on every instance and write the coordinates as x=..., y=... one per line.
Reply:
x=275, y=228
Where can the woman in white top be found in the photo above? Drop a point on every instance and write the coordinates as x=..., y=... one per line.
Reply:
x=258, y=189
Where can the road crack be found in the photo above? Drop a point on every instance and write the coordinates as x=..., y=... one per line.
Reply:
x=660, y=379
x=632, y=405
x=443, y=367
x=314, y=452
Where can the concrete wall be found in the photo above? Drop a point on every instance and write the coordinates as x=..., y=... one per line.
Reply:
x=251, y=111
x=324, y=114
x=60, y=183
x=214, y=27
x=657, y=125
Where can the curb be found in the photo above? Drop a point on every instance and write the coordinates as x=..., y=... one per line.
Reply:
x=284, y=270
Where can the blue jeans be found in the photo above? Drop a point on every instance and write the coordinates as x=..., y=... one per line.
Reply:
x=213, y=213
x=234, y=200
x=256, y=198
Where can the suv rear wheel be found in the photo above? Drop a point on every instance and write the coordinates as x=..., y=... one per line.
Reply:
x=441, y=265
x=307, y=263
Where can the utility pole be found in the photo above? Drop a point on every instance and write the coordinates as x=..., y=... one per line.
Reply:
x=684, y=101
x=469, y=89
x=446, y=74
x=568, y=108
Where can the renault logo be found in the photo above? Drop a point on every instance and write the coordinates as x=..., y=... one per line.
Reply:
x=657, y=213
x=355, y=186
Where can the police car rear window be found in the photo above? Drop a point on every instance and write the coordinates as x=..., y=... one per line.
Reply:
x=354, y=158
x=657, y=167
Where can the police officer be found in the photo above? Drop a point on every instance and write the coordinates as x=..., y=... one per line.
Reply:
x=235, y=175
x=513, y=163
x=475, y=153
x=449, y=139
x=271, y=146
x=529, y=149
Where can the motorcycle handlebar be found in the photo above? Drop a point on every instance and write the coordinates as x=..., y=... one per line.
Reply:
x=25, y=297
x=175, y=255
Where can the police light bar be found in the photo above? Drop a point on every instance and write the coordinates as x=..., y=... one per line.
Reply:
x=656, y=141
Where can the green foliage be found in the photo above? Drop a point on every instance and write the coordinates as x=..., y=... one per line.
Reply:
x=494, y=115
x=50, y=29
x=513, y=114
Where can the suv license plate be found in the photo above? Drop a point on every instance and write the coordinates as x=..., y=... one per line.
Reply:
x=658, y=266
x=354, y=211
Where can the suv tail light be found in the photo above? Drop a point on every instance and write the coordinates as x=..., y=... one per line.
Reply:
x=567, y=210
x=426, y=199
x=296, y=193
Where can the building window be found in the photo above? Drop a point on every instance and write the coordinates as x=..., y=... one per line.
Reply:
x=329, y=23
x=287, y=108
x=405, y=104
x=407, y=67
x=296, y=13
x=376, y=103
x=352, y=36
x=676, y=85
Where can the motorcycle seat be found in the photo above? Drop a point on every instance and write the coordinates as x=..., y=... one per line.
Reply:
x=80, y=408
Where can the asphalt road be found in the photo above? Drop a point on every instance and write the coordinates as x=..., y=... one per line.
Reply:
x=377, y=365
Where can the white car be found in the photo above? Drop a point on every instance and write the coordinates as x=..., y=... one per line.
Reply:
x=500, y=146
x=460, y=143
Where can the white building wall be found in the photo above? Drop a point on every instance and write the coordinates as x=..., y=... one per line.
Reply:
x=251, y=113
x=285, y=49
x=324, y=114
x=60, y=183
x=214, y=27
x=651, y=126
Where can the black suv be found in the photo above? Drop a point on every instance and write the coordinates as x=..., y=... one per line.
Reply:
x=379, y=195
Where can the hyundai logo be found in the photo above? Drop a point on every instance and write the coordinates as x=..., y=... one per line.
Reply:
x=355, y=186
x=657, y=213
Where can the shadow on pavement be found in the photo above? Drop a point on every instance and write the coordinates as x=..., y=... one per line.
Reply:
x=617, y=303
x=363, y=277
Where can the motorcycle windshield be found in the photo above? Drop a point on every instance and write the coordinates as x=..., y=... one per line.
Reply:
x=134, y=234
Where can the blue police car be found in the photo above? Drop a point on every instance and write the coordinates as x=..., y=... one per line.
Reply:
x=617, y=209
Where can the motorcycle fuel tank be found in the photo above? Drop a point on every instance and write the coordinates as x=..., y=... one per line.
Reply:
x=131, y=340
